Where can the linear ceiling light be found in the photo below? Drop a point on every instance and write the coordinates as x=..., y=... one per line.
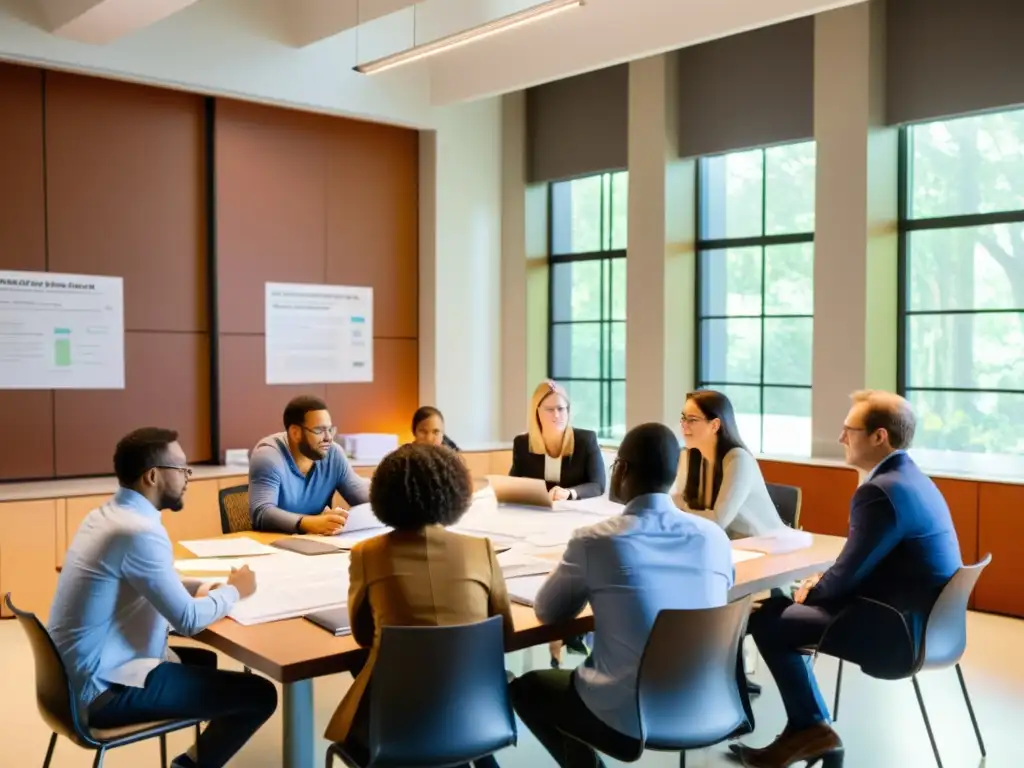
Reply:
x=535, y=13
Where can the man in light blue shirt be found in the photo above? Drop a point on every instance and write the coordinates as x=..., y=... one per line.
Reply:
x=651, y=557
x=293, y=474
x=117, y=596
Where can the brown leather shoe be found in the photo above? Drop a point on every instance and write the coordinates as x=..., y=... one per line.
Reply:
x=818, y=745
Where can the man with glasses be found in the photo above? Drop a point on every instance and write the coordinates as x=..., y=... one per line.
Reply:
x=118, y=594
x=293, y=474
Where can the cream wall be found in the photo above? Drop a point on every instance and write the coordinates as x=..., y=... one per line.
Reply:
x=461, y=269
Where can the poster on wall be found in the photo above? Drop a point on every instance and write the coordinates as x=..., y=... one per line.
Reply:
x=61, y=331
x=318, y=334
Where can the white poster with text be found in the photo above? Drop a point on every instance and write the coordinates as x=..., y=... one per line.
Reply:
x=61, y=331
x=318, y=334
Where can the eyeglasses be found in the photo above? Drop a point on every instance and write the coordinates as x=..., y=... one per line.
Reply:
x=322, y=431
x=691, y=419
x=555, y=409
x=187, y=471
x=847, y=429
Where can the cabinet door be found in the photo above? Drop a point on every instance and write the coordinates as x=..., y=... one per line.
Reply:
x=479, y=463
x=28, y=551
x=501, y=462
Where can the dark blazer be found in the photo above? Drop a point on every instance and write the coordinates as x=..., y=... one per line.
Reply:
x=582, y=472
x=901, y=549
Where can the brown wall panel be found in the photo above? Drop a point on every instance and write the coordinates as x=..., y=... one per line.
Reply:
x=249, y=408
x=125, y=190
x=962, y=498
x=167, y=383
x=271, y=207
x=29, y=416
x=23, y=247
x=1001, y=533
x=827, y=491
x=372, y=222
x=22, y=206
x=386, y=405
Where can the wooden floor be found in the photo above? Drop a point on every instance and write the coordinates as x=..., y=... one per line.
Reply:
x=879, y=721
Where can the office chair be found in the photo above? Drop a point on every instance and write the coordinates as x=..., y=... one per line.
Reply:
x=688, y=695
x=58, y=703
x=234, y=509
x=438, y=697
x=944, y=643
x=787, y=500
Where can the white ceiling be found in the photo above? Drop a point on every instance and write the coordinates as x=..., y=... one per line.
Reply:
x=317, y=42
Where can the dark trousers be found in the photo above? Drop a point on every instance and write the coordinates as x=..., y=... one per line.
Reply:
x=547, y=703
x=235, y=704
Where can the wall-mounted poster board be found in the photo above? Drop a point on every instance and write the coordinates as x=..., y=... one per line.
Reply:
x=61, y=331
x=318, y=334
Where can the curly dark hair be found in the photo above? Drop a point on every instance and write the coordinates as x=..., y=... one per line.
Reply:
x=420, y=485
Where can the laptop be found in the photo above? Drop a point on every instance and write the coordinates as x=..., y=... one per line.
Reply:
x=525, y=491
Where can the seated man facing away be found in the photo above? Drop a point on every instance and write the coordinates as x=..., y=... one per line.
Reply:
x=651, y=557
x=117, y=595
x=901, y=551
x=293, y=474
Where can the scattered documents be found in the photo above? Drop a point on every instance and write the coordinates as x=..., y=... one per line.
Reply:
x=361, y=518
x=524, y=589
x=225, y=547
x=742, y=555
x=515, y=564
x=776, y=543
x=206, y=565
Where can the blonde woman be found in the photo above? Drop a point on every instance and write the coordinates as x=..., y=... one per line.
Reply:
x=569, y=460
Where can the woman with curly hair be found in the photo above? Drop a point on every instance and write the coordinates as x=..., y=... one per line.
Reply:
x=420, y=573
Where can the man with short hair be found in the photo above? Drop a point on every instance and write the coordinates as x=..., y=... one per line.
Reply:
x=651, y=557
x=901, y=551
x=293, y=474
x=117, y=595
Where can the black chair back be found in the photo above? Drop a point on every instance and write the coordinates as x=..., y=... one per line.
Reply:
x=55, y=697
x=688, y=694
x=439, y=696
x=945, y=634
x=234, y=509
x=787, y=500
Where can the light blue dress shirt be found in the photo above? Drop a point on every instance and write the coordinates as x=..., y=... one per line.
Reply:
x=279, y=494
x=118, y=594
x=651, y=557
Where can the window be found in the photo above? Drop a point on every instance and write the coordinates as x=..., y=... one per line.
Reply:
x=587, y=343
x=755, y=290
x=962, y=287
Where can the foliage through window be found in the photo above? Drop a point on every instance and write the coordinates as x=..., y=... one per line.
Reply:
x=587, y=342
x=962, y=287
x=756, y=290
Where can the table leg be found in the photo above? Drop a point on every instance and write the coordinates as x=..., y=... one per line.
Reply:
x=298, y=725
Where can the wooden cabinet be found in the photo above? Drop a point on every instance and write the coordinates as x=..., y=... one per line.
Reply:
x=1001, y=533
x=501, y=462
x=28, y=549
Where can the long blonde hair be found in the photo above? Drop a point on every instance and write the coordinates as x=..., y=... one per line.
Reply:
x=542, y=391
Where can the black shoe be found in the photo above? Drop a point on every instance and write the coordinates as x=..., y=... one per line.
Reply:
x=753, y=689
x=554, y=663
x=576, y=645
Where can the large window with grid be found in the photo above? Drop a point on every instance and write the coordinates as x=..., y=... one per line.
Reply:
x=587, y=342
x=962, y=288
x=755, y=290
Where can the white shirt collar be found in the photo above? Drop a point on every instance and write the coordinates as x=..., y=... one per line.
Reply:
x=872, y=473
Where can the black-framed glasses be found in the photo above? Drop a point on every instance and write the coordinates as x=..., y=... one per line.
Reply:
x=330, y=431
x=691, y=419
x=187, y=471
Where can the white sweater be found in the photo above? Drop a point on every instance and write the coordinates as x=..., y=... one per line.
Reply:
x=743, y=507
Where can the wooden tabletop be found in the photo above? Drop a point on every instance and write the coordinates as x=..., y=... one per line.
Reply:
x=295, y=649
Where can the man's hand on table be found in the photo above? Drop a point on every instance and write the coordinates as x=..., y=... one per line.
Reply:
x=805, y=587
x=327, y=523
x=559, y=494
x=244, y=580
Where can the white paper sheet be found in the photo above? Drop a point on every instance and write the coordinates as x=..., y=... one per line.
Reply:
x=291, y=585
x=523, y=589
x=206, y=565
x=742, y=555
x=780, y=542
x=515, y=563
x=361, y=518
x=224, y=547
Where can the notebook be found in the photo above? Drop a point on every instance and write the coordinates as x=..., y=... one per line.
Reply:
x=305, y=546
x=334, y=620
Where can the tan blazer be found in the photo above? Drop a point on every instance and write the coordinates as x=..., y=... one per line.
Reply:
x=426, y=578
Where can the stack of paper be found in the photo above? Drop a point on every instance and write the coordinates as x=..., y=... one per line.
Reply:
x=777, y=543
x=514, y=563
x=291, y=585
x=225, y=547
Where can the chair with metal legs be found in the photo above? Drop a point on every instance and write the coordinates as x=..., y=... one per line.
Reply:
x=944, y=643
x=57, y=699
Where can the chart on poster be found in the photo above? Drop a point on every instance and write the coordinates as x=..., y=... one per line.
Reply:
x=61, y=331
x=318, y=334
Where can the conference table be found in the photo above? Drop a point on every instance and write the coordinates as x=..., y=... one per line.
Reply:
x=293, y=652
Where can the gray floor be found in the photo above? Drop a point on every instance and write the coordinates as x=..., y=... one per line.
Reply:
x=879, y=721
